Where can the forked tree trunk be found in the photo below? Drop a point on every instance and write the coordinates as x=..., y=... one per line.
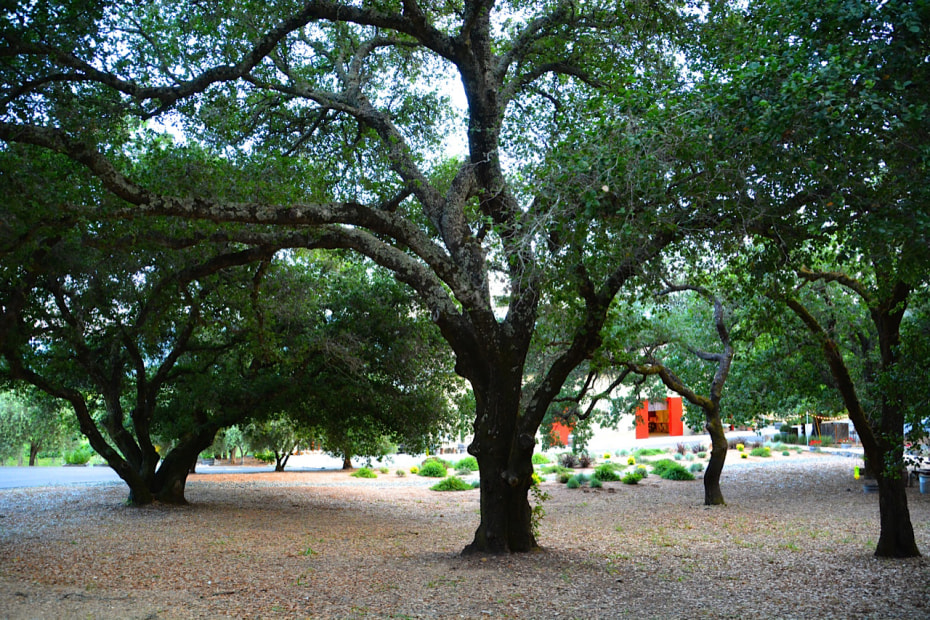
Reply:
x=713, y=496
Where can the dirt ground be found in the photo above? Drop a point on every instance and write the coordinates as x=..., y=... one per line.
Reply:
x=795, y=541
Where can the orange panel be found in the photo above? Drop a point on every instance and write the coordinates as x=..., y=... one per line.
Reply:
x=642, y=421
x=675, y=411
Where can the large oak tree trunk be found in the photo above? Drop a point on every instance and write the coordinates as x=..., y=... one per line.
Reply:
x=505, y=469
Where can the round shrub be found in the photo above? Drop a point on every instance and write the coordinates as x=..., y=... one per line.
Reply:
x=702, y=455
x=596, y=484
x=641, y=471
x=679, y=456
x=452, y=483
x=383, y=470
x=469, y=463
x=761, y=451
x=564, y=477
x=743, y=455
x=540, y=459
x=696, y=467
x=414, y=470
x=631, y=478
x=786, y=453
x=677, y=473
x=401, y=473
x=740, y=447
x=364, y=472
x=433, y=469
x=631, y=460
x=573, y=483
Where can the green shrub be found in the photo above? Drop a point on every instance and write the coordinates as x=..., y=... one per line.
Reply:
x=761, y=451
x=80, y=456
x=631, y=478
x=452, y=483
x=476, y=484
x=401, y=473
x=433, y=469
x=582, y=478
x=436, y=459
x=623, y=452
x=743, y=455
x=702, y=455
x=540, y=459
x=596, y=484
x=364, y=472
x=786, y=453
x=414, y=470
x=641, y=471
x=565, y=476
x=661, y=466
x=678, y=456
x=677, y=472
x=469, y=463
x=696, y=467
x=383, y=470
x=690, y=457
x=265, y=456
x=631, y=460
x=606, y=472
x=573, y=483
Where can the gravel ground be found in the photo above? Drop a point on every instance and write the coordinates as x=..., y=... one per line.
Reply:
x=795, y=541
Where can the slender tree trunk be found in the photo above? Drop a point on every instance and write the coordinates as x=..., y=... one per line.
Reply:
x=713, y=496
x=896, y=539
x=33, y=454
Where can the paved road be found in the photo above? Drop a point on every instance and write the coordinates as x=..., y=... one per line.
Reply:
x=16, y=477
x=13, y=477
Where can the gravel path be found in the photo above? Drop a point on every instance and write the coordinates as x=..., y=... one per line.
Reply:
x=795, y=541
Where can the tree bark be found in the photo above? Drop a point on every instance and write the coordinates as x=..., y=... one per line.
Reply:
x=33, y=454
x=505, y=469
x=882, y=446
x=713, y=496
x=896, y=539
x=347, y=461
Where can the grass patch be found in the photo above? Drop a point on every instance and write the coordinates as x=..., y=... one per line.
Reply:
x=641, y=452
x=540, y=459
x=606, y=472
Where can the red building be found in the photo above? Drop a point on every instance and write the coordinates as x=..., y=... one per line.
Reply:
x=660, y=418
